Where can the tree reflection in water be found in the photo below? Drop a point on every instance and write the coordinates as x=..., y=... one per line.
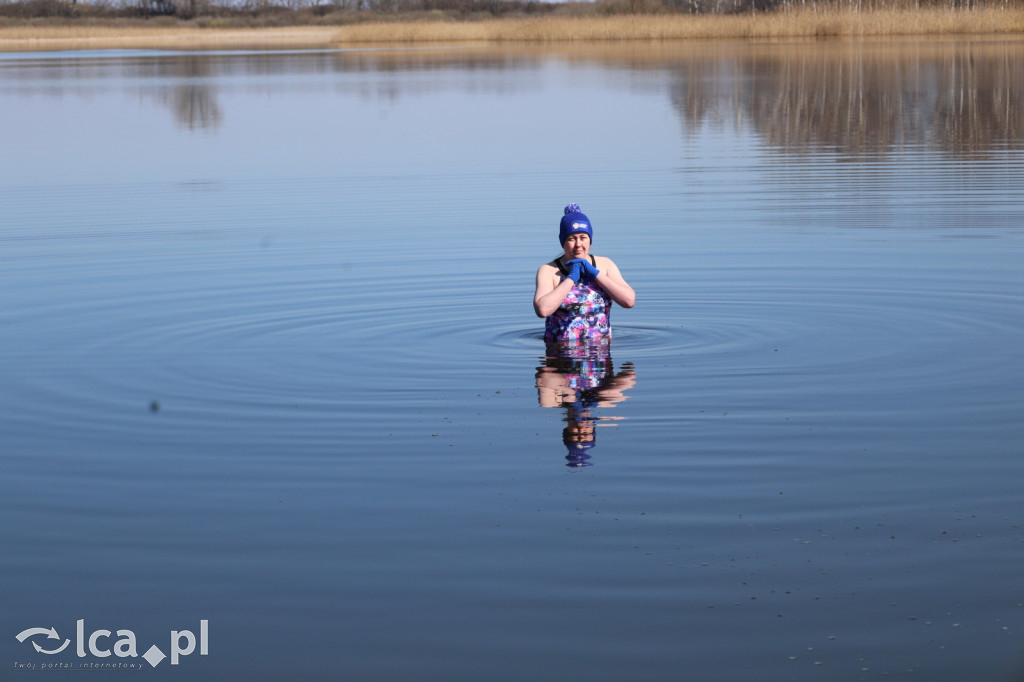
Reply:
x=861, y=98
x=857, y=98
x=193, y=102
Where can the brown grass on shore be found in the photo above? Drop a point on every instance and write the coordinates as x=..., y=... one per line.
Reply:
x=796, y=23
x=100, y=37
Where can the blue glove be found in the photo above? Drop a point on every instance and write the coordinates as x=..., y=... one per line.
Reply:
x=575, y=270
x=589, y=271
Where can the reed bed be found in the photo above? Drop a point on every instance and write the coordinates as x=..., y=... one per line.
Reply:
x=100, y=37
x=792, y=23
x=808, y=22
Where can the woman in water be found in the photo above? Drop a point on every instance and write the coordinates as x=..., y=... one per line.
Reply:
x=575, y=291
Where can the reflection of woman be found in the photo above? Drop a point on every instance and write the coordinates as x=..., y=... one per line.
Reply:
x=575, y=291
x=578, y=436
x=564, y=381
x=578, y=385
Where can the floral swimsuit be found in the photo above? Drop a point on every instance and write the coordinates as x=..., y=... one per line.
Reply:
x=582, y=322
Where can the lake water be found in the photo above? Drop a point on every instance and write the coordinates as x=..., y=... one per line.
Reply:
x=269, y=361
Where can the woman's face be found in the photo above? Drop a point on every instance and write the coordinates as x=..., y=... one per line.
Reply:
x=576, y=245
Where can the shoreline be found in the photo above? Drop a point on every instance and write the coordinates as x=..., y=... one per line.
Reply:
x=811, y=23
x=188, y=38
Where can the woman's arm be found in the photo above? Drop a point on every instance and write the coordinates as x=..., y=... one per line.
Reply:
x=549, y=296
x=610, y=279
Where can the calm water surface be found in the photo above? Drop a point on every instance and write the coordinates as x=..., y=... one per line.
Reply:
x=269, y=361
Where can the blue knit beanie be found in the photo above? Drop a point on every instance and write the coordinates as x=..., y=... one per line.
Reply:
x=574, y=222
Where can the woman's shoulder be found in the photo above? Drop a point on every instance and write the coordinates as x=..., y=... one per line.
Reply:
x=550, y=265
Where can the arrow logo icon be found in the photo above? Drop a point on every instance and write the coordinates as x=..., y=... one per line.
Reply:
x=50, y=634
x=25, y=634
x=55, y=651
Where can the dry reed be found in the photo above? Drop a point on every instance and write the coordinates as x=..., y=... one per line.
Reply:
x=98, y=37
x=794, y=23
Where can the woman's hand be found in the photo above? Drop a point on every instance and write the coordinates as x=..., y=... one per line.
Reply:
x=577, y=269
x=589, y=271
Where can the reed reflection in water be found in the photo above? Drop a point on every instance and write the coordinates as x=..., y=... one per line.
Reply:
x=860, y=99
x=855, y=98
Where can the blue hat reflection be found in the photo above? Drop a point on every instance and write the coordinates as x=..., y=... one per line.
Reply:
x=579, y=436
